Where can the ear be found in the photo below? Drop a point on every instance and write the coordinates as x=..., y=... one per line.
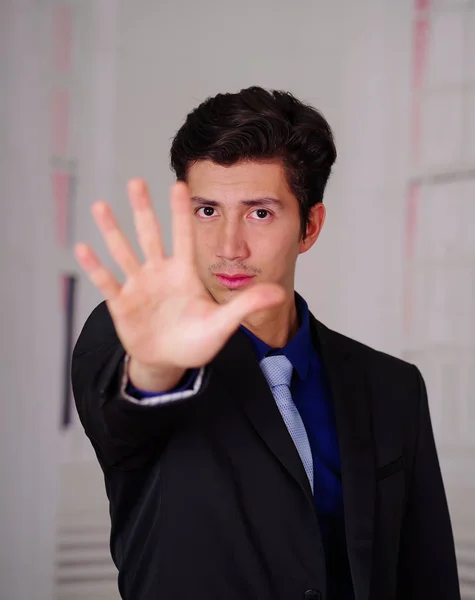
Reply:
x=316, y=219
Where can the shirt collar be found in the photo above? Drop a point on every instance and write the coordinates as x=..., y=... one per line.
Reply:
x=298, y=350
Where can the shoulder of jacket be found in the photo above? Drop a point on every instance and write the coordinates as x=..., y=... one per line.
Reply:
x=371, y=358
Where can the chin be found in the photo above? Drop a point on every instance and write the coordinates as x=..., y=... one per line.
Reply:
x=223, y=296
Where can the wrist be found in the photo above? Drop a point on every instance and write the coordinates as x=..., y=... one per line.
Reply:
x=153, y=379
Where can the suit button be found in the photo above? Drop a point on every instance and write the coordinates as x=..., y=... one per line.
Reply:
x=313, y=595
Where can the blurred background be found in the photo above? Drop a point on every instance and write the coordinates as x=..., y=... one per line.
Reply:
x=91, y=93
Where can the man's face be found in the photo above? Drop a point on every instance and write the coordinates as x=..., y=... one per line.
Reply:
x=246, y=223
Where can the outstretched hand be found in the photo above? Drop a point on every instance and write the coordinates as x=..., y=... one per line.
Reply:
x=162, y=313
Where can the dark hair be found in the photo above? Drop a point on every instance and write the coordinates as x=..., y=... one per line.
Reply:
x=256, y=124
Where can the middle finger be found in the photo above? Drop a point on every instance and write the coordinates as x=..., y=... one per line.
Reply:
x=147, y=225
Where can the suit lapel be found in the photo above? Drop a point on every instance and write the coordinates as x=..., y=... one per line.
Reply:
x=350, y=393
x=239, y=371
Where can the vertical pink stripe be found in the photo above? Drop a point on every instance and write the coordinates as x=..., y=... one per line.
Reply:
x=62, y=38
x=422, y=4
x=421, y=30
x=60, y=184
x=419, y=63
x=60, y=121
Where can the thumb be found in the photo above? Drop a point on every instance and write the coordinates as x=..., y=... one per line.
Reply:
x=261, y=296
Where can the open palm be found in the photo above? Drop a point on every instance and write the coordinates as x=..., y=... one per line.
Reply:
x=163, y=314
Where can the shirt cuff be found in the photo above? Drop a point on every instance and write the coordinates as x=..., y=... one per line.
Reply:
x=190, y=388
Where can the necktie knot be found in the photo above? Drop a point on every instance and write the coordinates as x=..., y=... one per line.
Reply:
x=277, y=370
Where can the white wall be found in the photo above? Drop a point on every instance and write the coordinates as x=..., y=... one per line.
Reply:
x=29, y=328
x=35, y=454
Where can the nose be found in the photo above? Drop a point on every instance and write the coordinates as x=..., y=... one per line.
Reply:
x=232, y=244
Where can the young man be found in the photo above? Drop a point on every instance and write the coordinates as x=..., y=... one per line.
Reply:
x=249, y=452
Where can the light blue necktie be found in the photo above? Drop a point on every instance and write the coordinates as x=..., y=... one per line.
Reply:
x=278, y=372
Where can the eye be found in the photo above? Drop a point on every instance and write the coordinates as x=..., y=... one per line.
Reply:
x=207, y=211
x=262, y=214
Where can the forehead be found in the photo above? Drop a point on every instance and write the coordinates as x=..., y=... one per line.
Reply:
x=241, y=180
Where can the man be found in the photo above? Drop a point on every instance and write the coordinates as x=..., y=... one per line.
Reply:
x=249, y=452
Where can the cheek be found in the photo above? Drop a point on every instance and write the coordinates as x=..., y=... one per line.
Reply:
x=278, y=252
x=205, y=232
x=204, y=249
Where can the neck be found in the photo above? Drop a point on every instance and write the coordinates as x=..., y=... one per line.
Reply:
x=277, y=326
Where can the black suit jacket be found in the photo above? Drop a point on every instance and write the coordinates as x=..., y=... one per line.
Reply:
x=209, y=499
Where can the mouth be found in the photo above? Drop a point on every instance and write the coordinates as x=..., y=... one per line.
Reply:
x=234, y=281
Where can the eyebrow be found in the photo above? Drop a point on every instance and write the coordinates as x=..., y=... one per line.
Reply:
x=265, y=201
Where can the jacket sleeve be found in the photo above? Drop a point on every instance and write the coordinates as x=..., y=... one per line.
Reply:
x=188, y=382
x=427, y=562
x=124, y=434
